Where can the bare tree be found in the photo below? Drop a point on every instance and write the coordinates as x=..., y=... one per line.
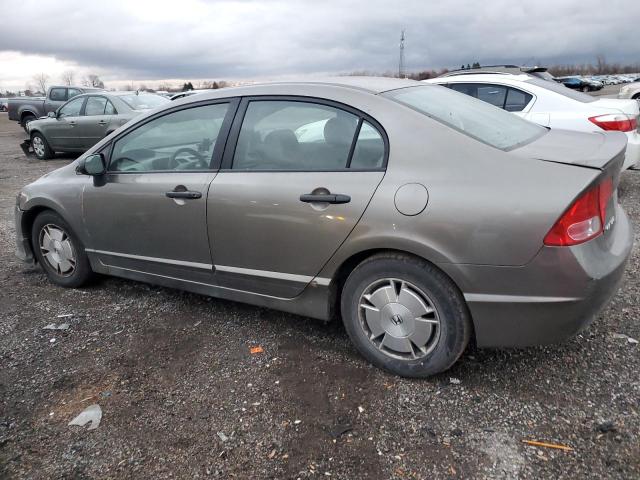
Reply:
x=67, y=77
x=41, y=80
x=92, y=80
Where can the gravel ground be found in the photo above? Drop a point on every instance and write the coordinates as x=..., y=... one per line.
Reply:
x=183, y=397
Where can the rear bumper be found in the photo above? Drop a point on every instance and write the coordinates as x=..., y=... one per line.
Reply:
x=551, y=298
x=23, y=245
x=632, y=155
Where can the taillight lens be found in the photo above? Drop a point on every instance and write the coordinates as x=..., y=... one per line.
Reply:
x=585, y=218
x=615, y=122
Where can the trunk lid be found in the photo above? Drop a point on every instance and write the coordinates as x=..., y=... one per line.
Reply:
x=592, y=150
x=616, y=105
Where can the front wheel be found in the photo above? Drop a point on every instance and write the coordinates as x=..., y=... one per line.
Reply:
x=59, y=251
x=404, y=315
x=41, y=146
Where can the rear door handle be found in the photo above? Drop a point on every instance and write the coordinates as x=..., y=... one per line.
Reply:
x=181, y=192
x=325, y=198
x=102, y=122
x=72, y=123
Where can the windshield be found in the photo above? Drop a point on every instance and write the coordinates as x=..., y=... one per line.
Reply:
x=473, y=117
x=144, y=101
x=562, y=90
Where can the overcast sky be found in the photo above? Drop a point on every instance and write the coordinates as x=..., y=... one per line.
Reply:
x=147, y=41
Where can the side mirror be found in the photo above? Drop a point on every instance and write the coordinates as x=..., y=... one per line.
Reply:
x=52, y=115
x=93, y=165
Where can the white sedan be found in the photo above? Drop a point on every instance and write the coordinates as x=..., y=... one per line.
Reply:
x=552, y=105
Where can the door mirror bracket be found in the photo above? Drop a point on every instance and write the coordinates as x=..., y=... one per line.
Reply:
x=93, y=165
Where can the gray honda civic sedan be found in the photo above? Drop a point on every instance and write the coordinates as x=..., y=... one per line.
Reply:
x=86, y=119
x=421, y=217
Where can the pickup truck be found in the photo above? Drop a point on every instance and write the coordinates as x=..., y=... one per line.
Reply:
x=26, y=109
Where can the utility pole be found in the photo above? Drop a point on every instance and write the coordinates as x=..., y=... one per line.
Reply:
x=401, y=62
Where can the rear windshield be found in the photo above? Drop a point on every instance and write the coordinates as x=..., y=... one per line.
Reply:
x=562, y=90
x=473, y=117
x=144, y=101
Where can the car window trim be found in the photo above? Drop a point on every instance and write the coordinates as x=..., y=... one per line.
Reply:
x=234, y=134
x=218, y=150
x=526, y=108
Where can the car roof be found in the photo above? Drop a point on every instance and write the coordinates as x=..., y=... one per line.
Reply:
x=480, y=76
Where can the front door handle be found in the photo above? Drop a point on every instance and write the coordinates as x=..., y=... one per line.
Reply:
x=72, y=123
x=181, y=192
x=102, y=122
x=325, y=198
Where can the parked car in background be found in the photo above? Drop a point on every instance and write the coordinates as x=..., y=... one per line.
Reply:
x=552, y=105
x=4, y=104
x=424, y=217
x=582, y=84
x=86, y=119
x=630, y=90
x=188, y=93
x=27, y=109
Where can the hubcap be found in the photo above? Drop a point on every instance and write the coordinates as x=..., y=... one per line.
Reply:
x=57, y=250
x=38, y=146
x=399, y=319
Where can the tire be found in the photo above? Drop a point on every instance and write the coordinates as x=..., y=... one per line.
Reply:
x=585, y=89
x=41, y=146
x=26, y=119
x=440, y=336
x=64, y=246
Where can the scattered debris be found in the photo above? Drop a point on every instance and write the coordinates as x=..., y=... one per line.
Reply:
x=105, y=394
x=548, y=445
x=53, y=326
x=454, y=381
x=93, y=414
x=223, y=437
x=273, y=453
x=255, y=350
x=53, y=340
x=607, y=426
x=360, y=409
x=65, y=315
x=197, y=323
x=297, y=422
x=340, y=429
x=633, y=341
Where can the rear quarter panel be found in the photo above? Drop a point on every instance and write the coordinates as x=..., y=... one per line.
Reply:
x=485, y=206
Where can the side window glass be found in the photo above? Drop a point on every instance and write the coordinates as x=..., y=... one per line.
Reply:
x=493, y=94
x=58, y=94
x=517, y=100
x=73, y=92
x=289, y=135
x=95, y=106
x=109, y=109
x=180, y=141
x=72, y=108
x=369, y=151
x=466, y=88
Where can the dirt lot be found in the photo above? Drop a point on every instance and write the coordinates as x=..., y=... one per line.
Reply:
x=183, y=397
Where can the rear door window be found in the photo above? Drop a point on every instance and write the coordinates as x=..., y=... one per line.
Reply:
x=493, y=94
x=73, y=92
x=369, y=149
x=517, y=100
x=95, y=106
x=292, y=135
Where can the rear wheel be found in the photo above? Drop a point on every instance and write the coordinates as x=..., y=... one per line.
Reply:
x=585, y=89
x=405, y=316
x=59, y=251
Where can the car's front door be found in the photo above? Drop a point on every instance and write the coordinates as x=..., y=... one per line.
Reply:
x=61, y=132
x=92, y=126
x=300, y=178
x=148, y=213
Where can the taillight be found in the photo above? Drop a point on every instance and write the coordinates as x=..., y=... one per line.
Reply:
x=615, y=121
x=585, y=218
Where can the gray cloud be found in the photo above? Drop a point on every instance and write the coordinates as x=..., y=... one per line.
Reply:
x=243, y=39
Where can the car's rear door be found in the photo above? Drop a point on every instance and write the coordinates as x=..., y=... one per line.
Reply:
x=297, y=176
x=148, y=213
